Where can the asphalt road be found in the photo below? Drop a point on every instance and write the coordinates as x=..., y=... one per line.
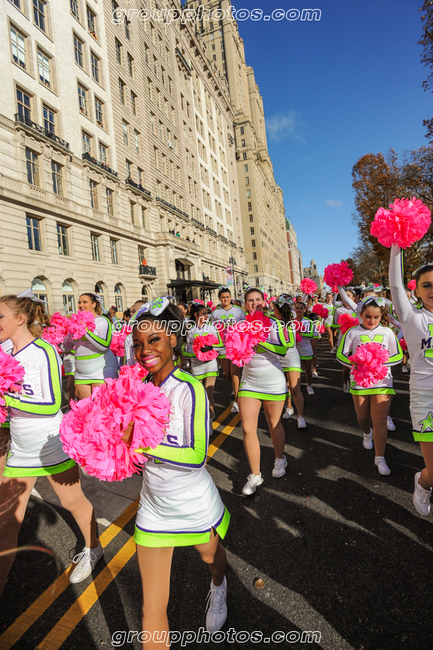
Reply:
x=339, y=548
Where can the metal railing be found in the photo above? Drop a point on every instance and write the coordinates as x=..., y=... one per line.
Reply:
x=137, y=186
x=22, y=119
x=172, y=207
x=146, y=270
x=86, y=156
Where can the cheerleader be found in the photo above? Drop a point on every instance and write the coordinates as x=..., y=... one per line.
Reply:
x=94, y=361
x=291, y=363
x=263, y=380
x=227, y=314
x=179, y=503
x=36, y=449
x=329, y=320
x=417, y=325
x=205, y=371
x=306, y=329
x=348, y=306
x=372, y=404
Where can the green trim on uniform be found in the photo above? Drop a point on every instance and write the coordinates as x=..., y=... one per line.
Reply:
x=340, y=356
x=222, y=356
x=207, y=374
x=98, y=339
x=297, y=369
x=90, y=356
x=423, y=437
x=21, y=472
x=262, y=396
x=69, y=374
x=5, y=425
x=163, y=540
x=89, y=382
x=309, y=358
x=372, y=391
x=186, y=354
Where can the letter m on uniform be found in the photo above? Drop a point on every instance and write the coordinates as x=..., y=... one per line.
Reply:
x=426, y=343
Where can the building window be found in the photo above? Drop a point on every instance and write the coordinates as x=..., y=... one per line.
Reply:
x=82, y=99
x=137, y=141
x=68, y=293
x=78, y=51
x=247, y=180
x=248, y=194
x=132, y=212
x=56, y=174
x=152, y=122
x=253, y=243
x=99, y=290
x=130, y=65
x=118, y=297
x=113, y=247
x=256, y=268
x=251, y=218
x=34, y=237
x=254, y=256
x=127, y=30
x=44, y=68
x=95, y=66
x=250, y=206
x=49, y=120
x=139, y=175
x=243, y=143
x=146, y=54
x=121, y=91
x=99, y=114
x=134, y=103
x=75, y=9
x=39, y=14
x=18, y=43
x=93, y=194
x=245, y=168
x=109, y=197
x=244, y=155
x=87, y=142
x=128, y=169
x=62, y=239
x=118, y=47
x=32, y=163
x=17, y=3
x=91, y=22
x=23, y=104
x=125, y=131
x=242, y=130
x=39, y=288
x=94, y=242
x=103, y=153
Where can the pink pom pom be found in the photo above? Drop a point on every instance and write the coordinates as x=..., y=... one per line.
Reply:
x=320, y=310
x=411, y=285
x=403, y=345
x=80, y=323
x=93, y=429
x=238, y=347
x=11, y=374
x=346, y=321
x=57, y=330
x=338, y=274
x=202, y=342
x=405, y=223
x=308, y=286
x=368, y=368
x=321, y=329
x=334, y=289
x=259, y=326
x=117, y=345
x=298, y=337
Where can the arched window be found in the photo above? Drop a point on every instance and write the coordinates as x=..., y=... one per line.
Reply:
x=69, y=302
x=39, y=288
x=118, y=297
x=145, y=294
x=99, y=290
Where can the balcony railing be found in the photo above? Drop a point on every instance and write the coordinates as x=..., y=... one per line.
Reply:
x=212, y=232
x=172, y=207
x=223, y=238
x=146, y=270
x=87, y=157
x=137, y=186
x=199, y=223
x=184, y=61
x=22, y=119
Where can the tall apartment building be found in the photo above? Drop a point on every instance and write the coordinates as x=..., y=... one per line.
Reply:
x=262, y=204
x=118, y=165
x=312, y=273
x=295, y=261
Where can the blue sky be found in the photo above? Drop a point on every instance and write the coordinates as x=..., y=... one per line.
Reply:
x=334, y=90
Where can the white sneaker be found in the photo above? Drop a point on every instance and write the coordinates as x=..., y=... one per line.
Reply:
x=235, y=408
x=334, y=349
x=315, y=375
x=301, y=423
x=253, y=481
x=404, y=369
x=288, y=413
x=216, y=607
x=368, y=440
x=310, y=390
x=381, y=465
x=390, y=424
x=86, y=562
x=421, y=497
x=346, y=387
x=279, y=467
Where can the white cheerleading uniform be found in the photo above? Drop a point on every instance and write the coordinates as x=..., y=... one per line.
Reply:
x=227, y=317
x=417, y=326
x=179, y=502
x=202, y=369
x=263, y=377
x=35, y=415
x=291, y=360
x=306, y=330
x=330, y=317
x=94, y=361
x=359, y=335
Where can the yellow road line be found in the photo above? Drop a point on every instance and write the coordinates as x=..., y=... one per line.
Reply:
x=222, y=436
x=19, y=627
x=60, y=632
x=221, y=417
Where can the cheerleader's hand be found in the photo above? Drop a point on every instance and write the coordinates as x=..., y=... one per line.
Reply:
x=128, y=434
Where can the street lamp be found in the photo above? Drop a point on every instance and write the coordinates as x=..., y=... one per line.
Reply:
x=232, y=261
